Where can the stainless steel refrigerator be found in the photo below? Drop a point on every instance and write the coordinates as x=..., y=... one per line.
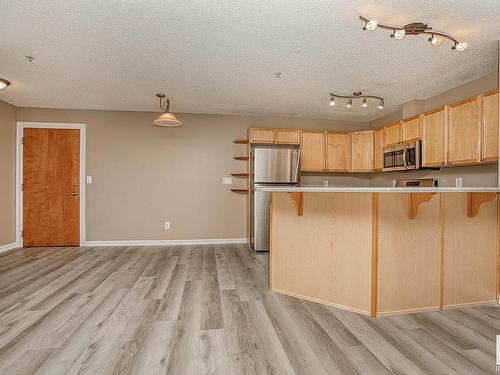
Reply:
x=272, y=166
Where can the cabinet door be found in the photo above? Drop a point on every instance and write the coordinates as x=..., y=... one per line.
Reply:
x=489, y=129
x=392, y=134
x=434, y=138
x=362, y=151
x=378, y=144
x=463, y=132
x=410, y=129
x=261, y=135
x=338, y=153
x=287, y=136
x=313, y=151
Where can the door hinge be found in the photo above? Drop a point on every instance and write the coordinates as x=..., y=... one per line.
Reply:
x=22, y=140
x=22, y=187
x=22, y=233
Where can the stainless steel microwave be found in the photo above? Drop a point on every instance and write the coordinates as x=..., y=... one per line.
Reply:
x=402, y=157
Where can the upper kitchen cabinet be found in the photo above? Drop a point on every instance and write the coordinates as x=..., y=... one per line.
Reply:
x=362, y=151
x=378, y=144
x=434, y=137
x=489, y=127
x=392, y=134
x=313, y=151
x=287, y=136
x=410, y=128
x=261, y=135
x=463, y=131
x=338, y=152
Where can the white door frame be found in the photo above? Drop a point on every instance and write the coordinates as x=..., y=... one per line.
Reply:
x=19, y=171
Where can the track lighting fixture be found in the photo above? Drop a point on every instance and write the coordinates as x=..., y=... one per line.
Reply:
x=415, y=28
x=166, y=119
x=357, y=95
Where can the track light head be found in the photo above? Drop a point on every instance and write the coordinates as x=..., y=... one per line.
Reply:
x=381, y=104
x=365, y=104
x=462, y=46
x=332, y=101
x=436, y=40
x=349, y=103
x=371, y=25
x=399, y=34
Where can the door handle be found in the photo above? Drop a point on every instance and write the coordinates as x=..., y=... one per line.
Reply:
x=74, y=194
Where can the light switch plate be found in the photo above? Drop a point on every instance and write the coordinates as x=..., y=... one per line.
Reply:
x=458, y=182
x=89, y=179
x=227, y=181
x=167, y=225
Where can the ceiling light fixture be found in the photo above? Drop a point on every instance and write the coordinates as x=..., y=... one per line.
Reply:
x=4, y=83
x=166, y=119
x=415, y=28
x=357, y=95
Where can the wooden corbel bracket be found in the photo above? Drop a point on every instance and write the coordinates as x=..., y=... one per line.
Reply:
x=475, y=200
x=414, y=202
x=298, y=198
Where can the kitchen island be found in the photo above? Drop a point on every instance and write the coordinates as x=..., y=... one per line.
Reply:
x=383, y=251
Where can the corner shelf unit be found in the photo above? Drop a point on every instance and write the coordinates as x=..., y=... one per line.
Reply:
x=244, y=191
x=242, y=175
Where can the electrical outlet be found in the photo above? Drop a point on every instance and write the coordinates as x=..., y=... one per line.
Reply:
x=167, y=225
x=458, y=182
x=325, y=183
x=227, y=181
x=89, y=179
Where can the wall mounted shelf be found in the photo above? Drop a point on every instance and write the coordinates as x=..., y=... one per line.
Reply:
x=243, y=158
x=243, y=191
x=241, y=175
x=241, y=141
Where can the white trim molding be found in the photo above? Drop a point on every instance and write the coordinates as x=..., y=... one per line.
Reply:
x=19, y=171
x=9, y=246
x=220, y=241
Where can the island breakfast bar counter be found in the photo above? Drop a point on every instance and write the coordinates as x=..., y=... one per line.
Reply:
x=384, y=251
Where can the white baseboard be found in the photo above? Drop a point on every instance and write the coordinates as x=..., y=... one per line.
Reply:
x=219, y=241
x=9, y=246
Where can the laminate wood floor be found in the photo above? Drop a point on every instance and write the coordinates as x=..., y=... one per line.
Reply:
x=208, y=310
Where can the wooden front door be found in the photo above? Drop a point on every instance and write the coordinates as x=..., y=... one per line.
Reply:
x=51, y=187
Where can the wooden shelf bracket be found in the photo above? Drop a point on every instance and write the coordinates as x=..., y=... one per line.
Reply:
x=475, y=200
x=414, y=202
x=298, y=198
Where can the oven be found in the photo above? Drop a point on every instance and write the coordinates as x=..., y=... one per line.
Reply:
x=402, y=157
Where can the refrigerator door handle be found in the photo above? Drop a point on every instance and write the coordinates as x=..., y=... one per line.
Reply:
x=295, y=176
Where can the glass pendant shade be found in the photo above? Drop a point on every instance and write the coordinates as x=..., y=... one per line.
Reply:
x=167, y=120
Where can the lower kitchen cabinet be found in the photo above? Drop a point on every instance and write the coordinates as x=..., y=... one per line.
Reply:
x=362, y=151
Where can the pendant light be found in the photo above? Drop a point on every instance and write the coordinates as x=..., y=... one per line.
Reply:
x=166, y=119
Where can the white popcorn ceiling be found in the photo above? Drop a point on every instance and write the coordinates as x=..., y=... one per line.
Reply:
x=222, y=56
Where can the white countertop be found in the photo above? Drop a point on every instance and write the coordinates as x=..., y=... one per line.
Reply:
x=321, y=189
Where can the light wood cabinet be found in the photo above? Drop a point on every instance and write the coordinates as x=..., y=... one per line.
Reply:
x=378, y=144
x=392, y=134
x=287, y=136
x=313, y=151
x=463, y=132
x=489, y=127
x=338, y=152
x=410, y=128
x=434, y=137
x=362, y=151
x=261, y=135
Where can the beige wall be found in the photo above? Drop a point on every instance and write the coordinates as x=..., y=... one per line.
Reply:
x=7, y=173
x=473, y=176
x=144, y=175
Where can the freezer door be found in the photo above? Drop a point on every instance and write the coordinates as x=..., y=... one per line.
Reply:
x=275, y=165
x=260, y=221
